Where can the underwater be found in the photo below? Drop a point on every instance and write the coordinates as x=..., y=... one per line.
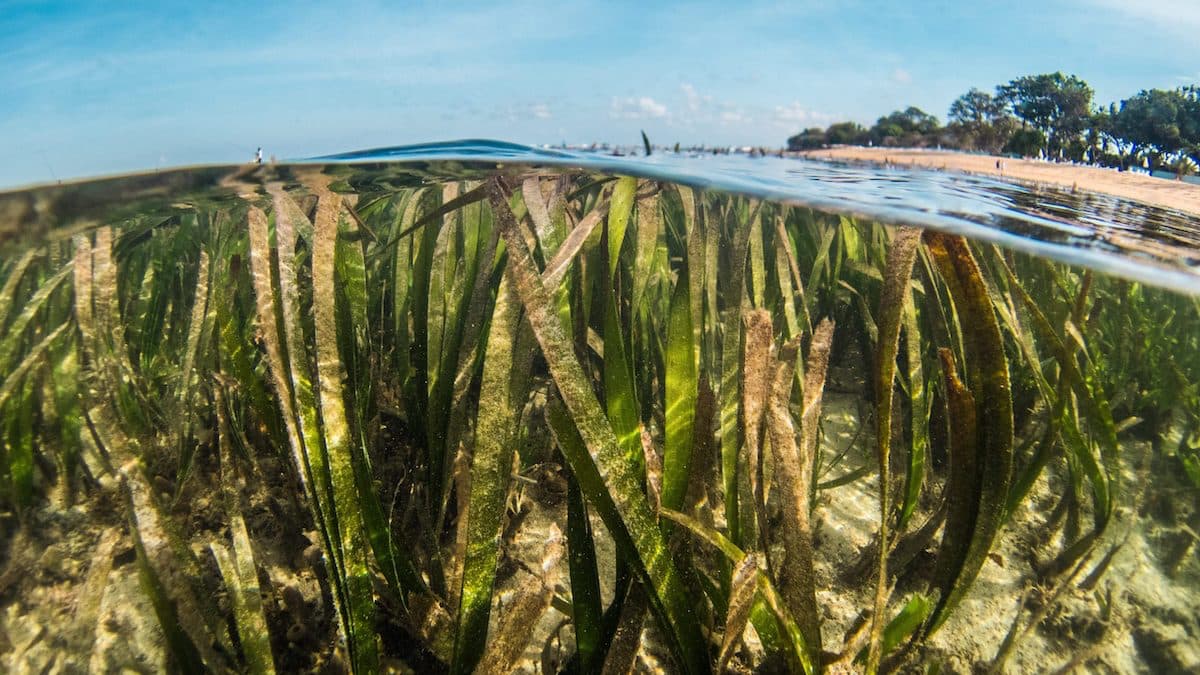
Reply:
x=479, y=407
x=600, y=338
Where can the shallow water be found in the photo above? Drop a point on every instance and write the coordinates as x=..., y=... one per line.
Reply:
x=1120, y=237
x=482, y=406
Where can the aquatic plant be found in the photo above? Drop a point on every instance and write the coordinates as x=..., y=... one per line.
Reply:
x=397, y=369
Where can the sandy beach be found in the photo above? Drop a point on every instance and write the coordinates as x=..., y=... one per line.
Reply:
x=1155, y=191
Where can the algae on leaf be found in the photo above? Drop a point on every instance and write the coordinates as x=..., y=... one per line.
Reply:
x=981, y=420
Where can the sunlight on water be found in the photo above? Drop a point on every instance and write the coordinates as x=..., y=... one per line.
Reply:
x=1122, y=237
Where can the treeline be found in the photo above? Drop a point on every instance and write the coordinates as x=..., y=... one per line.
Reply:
x=1051, y=116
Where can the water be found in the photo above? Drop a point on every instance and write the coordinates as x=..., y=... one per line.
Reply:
x=478, y=405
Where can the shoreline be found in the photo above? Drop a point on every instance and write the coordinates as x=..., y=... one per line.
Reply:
x=1163, y=193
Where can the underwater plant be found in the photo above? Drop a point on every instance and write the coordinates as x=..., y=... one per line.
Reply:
x=373, y=421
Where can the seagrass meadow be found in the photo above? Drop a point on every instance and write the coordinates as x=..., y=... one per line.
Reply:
x=446, y=418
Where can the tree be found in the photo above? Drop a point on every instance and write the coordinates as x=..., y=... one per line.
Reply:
x=808, y=139
x=1056, y=119
x=842, y=133
x=980, y=121
x=846, y=133
x=1025, y=142
x=1096, y=142
x=1108, y=146
x=1057, y=105
x=1189, y=123
x=911, y=126
x=1157, y=122
x=976, y=107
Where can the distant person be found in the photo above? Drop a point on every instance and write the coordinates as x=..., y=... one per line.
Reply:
x=258, y=156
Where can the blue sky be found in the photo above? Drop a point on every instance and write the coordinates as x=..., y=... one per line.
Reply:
x=100, y=87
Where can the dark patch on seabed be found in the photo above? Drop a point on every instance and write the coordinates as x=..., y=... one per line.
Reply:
x=444, y=416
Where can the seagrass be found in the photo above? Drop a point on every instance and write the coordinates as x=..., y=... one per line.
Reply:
x=411, y=393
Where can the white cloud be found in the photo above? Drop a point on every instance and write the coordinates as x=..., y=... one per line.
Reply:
x=517, y=112
x=794, y=112
x=634, y=108
x=699, y=111
x=733, y=117
x=796, y=115
x=901, y=76
x=694, y=100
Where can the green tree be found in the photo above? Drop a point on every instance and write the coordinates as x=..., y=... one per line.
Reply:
x=1104, y=141
x=1189, y=121
x=1159, y=123
x=980, y=121
x=846, y=133
x=909, y=127
x=976, y=107
x=1057, y=105
x=808, y=139
x=1025, y=142
x=1095, y=141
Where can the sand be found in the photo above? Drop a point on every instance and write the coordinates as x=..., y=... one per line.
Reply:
x=1166, y=193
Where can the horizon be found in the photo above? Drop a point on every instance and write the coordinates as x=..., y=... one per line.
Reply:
x=94, y=91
